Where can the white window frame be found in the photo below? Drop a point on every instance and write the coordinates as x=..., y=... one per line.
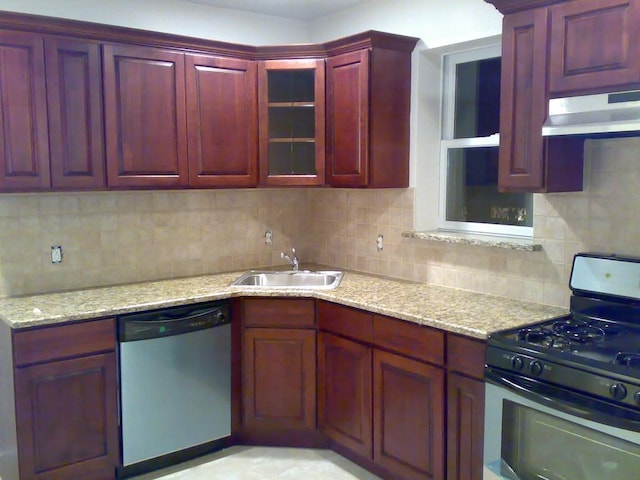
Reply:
x=448, y=142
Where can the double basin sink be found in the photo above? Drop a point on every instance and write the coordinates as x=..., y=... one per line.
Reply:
x=303, y=279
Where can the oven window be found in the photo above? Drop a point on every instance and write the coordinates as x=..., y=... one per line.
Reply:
x=537, y=445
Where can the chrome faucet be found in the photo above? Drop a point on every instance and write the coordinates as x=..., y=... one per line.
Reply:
x=291, y=261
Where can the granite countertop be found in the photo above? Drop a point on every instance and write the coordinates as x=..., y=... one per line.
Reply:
x=459, y=311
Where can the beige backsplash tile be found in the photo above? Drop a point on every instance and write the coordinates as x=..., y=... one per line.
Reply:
x=121, y=237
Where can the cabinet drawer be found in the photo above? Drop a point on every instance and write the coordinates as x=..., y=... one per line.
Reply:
x=423, y=343
x=346, y=321
x=466, y=355
x=63, y=341
x=278, y=312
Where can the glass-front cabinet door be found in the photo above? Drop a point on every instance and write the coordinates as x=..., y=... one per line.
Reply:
x=291, y=122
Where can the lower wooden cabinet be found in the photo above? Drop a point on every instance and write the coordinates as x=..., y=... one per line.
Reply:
x=279, y=378
x=408, y=421
x=278, y=371
x=465, y=407
x=384, y=406
x=66, y=402
x=465, y=411
x=66, y=418
x=344, y=392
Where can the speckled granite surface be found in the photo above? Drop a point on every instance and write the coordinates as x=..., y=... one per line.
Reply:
x=458, y=311
x=511, y=243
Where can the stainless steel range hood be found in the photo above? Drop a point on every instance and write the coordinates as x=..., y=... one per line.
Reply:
x=606, y=113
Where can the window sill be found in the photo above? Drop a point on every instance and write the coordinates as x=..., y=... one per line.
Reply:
x=513, y=243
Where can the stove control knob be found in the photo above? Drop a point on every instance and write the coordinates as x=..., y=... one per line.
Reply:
x=535, y=368
x=517, y=363
x=618, y=391
x=636, y=398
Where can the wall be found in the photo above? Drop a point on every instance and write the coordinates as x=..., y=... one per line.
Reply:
x=133, y=236
x=603, y=218
x=435, y=22
x=121, y=237
x=172, y=16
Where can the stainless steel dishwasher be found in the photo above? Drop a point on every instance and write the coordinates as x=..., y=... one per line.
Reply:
x=175, y=384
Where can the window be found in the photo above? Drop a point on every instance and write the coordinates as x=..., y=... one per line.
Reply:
x=469, y=198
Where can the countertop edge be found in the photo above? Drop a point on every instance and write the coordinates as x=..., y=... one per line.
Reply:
x=457, y=311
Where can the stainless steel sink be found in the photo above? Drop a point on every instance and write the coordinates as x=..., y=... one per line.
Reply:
x=303, y=279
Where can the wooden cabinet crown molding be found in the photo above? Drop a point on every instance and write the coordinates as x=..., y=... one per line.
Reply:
x=512, y=6
x=125, y=35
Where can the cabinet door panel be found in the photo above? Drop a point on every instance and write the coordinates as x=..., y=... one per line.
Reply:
x=348, y=119
x=279, y=378
x=523, y=100
x=528, y=162
x=74, y=95
x=344, y=392
x=465, y=428
x=67, y=418
x=145, y=115
x=408, y=416
x=594, y=45
x=24, y=142
x=222, y=121
x=287, y=90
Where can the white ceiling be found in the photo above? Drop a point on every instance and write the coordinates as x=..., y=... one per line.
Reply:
x=296, y=9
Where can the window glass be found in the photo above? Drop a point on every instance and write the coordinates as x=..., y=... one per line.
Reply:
x=477, y=98
x=470, y=200
x=472, y=190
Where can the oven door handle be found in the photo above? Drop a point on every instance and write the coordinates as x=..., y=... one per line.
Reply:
x=568, y=402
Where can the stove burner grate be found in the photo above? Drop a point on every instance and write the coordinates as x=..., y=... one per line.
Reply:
x=628, y=359
x=569, y=333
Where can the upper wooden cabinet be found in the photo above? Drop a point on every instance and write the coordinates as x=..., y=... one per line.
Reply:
x=52, y=123
x=527, y=161
x=368, y=103
x=594, y=46
x=292, y=127
x=87, y=106
x=145, y=117
x=222, y=121
x=24, y=141
x=74, y=97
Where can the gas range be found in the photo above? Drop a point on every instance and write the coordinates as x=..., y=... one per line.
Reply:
x=594, y=350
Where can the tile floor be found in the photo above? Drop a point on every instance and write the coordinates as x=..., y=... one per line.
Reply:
x=264, y=463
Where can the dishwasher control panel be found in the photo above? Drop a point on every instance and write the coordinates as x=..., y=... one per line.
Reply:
x=172, y=321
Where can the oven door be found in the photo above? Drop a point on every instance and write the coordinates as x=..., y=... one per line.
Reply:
x=541, y=432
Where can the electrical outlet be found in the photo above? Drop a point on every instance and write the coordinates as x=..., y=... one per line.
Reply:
x=379, y=240
x=268, y=237
x=56, y=254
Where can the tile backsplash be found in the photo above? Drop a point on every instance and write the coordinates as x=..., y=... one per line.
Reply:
x=605, y=217
x=121, y=237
